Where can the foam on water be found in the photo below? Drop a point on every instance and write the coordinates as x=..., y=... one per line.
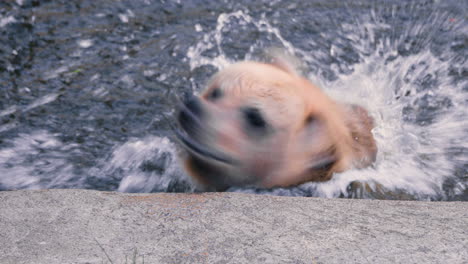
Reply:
x=420, y=111
x=37, y=160
x=144, y=165
x=6, y=20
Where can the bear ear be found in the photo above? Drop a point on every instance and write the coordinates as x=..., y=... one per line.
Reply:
x=284, y=60
x=360, y=124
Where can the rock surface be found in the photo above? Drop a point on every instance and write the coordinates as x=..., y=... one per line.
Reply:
x=79, y=226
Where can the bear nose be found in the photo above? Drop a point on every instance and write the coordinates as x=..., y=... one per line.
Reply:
x=193, y=105
x=191, y=115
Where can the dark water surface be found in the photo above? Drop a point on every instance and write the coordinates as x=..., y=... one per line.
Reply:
x=84, y=86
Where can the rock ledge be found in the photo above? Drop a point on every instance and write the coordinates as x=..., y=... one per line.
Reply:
x=82, y=226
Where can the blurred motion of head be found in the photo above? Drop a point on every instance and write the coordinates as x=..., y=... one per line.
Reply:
x=262, y=124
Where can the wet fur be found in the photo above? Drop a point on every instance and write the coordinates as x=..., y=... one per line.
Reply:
x=342, y=141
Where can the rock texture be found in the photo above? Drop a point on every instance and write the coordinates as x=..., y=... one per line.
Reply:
x=79, y=226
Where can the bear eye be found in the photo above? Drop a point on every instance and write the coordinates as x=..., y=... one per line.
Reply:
x=215, y=94
x=310, y=119
x=254, y=118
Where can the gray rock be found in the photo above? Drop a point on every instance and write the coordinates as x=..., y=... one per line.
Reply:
x=78, y=226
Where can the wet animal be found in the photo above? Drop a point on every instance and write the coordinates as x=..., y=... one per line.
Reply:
x=264, y=125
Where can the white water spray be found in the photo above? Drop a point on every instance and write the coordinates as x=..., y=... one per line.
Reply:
x=416, y=155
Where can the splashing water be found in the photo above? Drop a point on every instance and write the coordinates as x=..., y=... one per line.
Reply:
x=418, y=132
x=214, y=39
x=26, y=166
x=420, y=111
x=81, y=121
x=144, y=165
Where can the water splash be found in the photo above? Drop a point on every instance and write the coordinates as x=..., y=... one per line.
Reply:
x=402, y=62
x=420, y=111
x=212, y=42
x=417, y=131
x=408, y=87
x=145, y=165
x=38, y=160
